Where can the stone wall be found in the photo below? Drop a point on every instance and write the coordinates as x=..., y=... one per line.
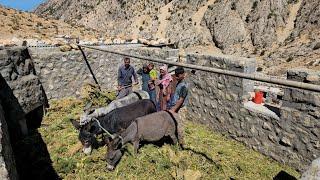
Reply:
x=21, y=96
x=290, y=136
x=216, y=100
x=7, y=163
x=64, y=73
x=301, y=114
x=17, y=69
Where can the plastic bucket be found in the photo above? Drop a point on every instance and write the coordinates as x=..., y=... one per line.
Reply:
x=258, y=97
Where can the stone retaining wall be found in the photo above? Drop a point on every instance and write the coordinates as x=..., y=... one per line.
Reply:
x=17, y=69
x=64, y=73
x=215, y=100
x=290, y=136
x=21, y=94
x=7, y=163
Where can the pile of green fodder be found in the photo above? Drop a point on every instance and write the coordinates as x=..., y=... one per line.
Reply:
x=209, y=155
x=90, y=94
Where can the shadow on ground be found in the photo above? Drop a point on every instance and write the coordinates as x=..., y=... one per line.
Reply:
x=30, y=151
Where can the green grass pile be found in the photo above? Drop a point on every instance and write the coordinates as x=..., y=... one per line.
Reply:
x=90, y=93
x=209, y=155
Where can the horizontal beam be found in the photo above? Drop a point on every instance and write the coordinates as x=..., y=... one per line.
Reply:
x=256, y=77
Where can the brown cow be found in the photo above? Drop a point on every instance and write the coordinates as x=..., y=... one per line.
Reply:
x=150, y=128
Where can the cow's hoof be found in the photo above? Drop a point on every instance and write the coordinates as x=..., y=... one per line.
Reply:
x=110, y=167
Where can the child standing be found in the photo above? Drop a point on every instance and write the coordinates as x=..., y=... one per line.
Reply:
x=153, y=77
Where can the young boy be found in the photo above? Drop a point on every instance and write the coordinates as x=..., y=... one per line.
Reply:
x=180, y=96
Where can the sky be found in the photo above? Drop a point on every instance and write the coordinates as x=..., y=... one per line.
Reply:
x=25, y=5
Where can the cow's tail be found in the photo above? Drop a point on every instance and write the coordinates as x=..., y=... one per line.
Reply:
x=176, y=127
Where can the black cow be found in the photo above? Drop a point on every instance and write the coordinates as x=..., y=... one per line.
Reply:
x=114, y=122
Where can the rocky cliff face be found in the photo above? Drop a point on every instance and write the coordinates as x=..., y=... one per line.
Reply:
x=280, y=33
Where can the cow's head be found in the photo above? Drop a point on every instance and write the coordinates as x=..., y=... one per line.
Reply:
x=114, y=152
x=87, y=135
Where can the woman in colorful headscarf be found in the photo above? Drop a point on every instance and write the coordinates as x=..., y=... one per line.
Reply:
x=165, y=85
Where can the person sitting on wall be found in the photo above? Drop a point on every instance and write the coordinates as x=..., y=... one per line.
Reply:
x=180, y=96
x=125, y=74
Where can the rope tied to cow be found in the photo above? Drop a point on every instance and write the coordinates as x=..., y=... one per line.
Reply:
x=107, y=132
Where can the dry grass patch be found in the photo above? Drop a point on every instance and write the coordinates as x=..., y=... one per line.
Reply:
x=209, y=155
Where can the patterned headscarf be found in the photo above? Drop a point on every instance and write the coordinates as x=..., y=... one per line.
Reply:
x=166, y=79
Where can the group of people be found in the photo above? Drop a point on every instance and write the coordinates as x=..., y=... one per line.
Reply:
x=168, y=92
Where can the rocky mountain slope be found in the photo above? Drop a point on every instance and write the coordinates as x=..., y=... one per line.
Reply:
x=279, y=33
x=17, y=26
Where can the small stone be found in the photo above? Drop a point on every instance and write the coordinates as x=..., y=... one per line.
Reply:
x=316, y=46
x=65, y=48
x=266, y=126
x=304, y=139
x=285, y=141
x=301, y=131
x=272, y=138
x=243, y=125
x=228, y=97
x=45, y=72
x=253, y=130
x=307, y=122
x=248, y=119
x=313, y=78
x=135, y=41
x=315, y=132
x=220, y=86
x=51, y=86
x=221, y=119
x=316, y=144
x=233, y=115
x=213, y=105
x=207, y=102
x=73, y=46
x=50, y=65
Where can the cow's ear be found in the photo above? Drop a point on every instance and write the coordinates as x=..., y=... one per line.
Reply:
x=75, y=124
x=108, y=140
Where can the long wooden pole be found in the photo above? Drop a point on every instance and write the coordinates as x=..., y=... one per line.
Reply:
x=89, y=67
x=268, y=79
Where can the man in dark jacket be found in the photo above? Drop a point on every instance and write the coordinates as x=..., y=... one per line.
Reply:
x=125, y=74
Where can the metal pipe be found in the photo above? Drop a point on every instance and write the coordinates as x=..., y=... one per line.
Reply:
x=268, y=79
